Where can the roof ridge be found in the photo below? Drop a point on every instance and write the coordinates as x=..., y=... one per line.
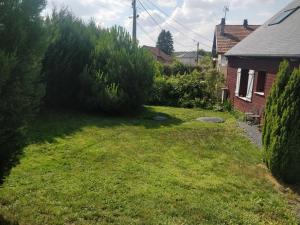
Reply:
x=280, y=39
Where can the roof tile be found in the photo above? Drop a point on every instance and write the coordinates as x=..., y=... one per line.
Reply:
x=233, y=34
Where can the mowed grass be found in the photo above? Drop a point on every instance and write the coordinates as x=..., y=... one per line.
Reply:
x=81, y=169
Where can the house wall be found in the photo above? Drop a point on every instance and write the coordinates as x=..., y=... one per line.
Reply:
x=188, y=61
x=222, y=64
x=258, y=102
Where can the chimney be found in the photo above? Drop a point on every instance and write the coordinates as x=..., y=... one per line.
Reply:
x=223, y=23
x=245, y=23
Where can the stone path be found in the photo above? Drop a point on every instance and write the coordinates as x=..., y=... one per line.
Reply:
x=252, y=133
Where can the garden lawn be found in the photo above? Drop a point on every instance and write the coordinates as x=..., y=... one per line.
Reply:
x=80, y=169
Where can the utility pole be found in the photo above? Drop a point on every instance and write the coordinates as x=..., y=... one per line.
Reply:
x=197, y=53
x=134, y=21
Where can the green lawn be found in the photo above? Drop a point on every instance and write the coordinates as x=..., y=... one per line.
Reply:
x=88, y=169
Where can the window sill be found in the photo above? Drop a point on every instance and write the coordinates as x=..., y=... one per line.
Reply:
x=244, y=98
x=260, y=93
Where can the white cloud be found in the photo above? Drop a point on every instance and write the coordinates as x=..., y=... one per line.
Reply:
x=103, y=11
x=166, y=3
x=198, y=17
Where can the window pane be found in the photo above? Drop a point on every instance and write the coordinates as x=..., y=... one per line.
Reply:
x=244, y=83
x=282, y=16
x=261, y=81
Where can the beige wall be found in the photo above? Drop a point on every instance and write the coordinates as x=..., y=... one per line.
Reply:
x=222, y=64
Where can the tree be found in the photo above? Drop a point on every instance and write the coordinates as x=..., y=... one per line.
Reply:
x=94, y=69
x=21, y=50
x=204, y=53
x=66, y=57
x=165, y=42
x=281, y=130
x=119, y=76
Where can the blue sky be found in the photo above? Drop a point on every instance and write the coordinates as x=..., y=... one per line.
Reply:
x=198, y=17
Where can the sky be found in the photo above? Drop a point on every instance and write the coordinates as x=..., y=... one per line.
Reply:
x=190, y=21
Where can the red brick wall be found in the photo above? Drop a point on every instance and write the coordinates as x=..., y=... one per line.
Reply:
x=258, y=102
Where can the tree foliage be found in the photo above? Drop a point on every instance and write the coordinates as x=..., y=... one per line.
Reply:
x=66, y=57
x=165, y=42
x=199, y=88
x=281, y=131
x=21, y=50
x=119, y=76
x=93, y=68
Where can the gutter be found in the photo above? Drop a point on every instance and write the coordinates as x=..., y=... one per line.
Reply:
x=265, y=56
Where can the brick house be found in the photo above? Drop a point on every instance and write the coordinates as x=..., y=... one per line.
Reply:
x=254, y=62
x=159, y=55
x=226, y=37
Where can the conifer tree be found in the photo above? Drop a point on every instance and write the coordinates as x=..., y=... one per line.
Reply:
x=281, y=132
x=165, y=42
x=21, y=50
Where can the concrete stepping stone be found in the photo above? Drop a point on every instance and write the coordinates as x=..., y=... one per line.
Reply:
x=211, y=119
x=160, y=118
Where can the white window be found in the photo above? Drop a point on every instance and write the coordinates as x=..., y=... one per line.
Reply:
x=261, y=83
x=244, y=84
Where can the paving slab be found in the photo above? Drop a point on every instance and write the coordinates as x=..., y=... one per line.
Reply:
x=211, y=119
x=160, y=118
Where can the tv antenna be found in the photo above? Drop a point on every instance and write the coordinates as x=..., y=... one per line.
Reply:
x=226, y=9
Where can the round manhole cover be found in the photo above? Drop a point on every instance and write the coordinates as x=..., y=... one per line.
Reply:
x=160, y=118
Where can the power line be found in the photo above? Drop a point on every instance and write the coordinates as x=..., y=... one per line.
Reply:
x=186, y=34
x=143, y=5
x=153, y=39
x=155, y=21
x=166, y=14
x=175, y=28
x=145, y=32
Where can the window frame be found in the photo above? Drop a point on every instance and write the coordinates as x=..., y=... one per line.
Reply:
x=250, y=84
x=276, y=21
x=262, y=91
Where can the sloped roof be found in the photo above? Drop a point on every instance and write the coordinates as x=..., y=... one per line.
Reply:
x=279, y=40
x=232, y=35
x=192, y=54
x=159, y=54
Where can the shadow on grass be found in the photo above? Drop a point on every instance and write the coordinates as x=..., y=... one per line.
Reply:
x=9, y=157
x=58, y=124
x=6, y=222
x=294, y=187
x=51, y=125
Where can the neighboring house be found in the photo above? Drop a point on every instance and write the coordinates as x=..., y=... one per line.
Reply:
x=254, y=62
x=187, y=58
x=226, y=37
x=159, y=55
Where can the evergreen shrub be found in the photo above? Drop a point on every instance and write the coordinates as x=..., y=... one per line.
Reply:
x=281, y=132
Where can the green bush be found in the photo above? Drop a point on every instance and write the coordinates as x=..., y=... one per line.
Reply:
x=190, y=90
x=119, y=76
x=95, y=69
x=281, y=130
x=66, y=57
x=21, y=50
x=199, y=88
x=178, y=68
